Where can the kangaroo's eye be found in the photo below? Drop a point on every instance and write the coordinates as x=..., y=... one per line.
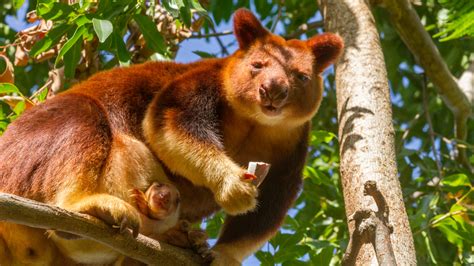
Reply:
x=257, y=65
x=302, y=77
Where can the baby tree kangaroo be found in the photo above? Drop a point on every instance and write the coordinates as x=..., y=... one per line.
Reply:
x=87, y=148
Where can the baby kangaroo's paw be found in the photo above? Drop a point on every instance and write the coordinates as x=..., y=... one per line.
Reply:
x=236, y=194
x=197, y=239
x=113, y=211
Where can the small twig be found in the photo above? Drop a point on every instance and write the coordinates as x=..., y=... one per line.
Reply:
x=38, y=91
x=224, y=50
x=11, y=98
x=408, y=130
x=214, y=34
x=304, y=28
x=18, y=210
x=446, y=215
x=280, y=6
x=432, y=223
x=430, y=126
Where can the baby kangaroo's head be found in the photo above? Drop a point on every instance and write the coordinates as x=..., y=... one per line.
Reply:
x=272, y=80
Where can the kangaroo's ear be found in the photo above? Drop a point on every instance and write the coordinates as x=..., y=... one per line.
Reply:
x=326, y=48
x=247, y=28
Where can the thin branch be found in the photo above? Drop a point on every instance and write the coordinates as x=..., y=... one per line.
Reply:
x=45, y=86
x=305, y=28
x=280, y=6
x=18, y=210
x=430, y=127
x=411, y=30
x=408, y=130
x=443, y=217
x=224, y=50
x=209, y=35
x=12, y=98
x=456, y=142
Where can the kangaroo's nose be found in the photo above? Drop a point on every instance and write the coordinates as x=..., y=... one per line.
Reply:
x=274, y=92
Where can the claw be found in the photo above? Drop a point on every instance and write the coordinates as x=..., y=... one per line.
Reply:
x=197, y=237
x=135, y=231
x=123, y=225
x=209, y=256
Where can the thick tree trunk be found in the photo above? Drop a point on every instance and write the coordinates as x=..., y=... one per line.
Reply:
x=372, y=194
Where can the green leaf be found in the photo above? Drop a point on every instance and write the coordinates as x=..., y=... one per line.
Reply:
x=456, y=180
x=323, y=257
x=298, y=263
x=51, y=10
x=204, y=54
x=42, y=95
x=3, y=64
x=197, y=6
x=266, y=258
x=290, y=252
x=320, y=136
x=9, y=88
x=153, y=38
x=50, y=39
x=171, y=6
x=159, y=57
x=18, y=3
x=214, y=224
x=103, y=28
x=82, y=20
x=284, y=241
x=121, y=50
x=185, y=13
x=70, y=43
x=428, y=244
x=71, y=59
x=19, y=108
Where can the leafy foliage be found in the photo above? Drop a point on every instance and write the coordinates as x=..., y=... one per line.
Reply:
x=439, y=203
x=459, y=21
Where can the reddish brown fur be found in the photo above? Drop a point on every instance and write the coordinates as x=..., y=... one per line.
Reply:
x=213, y=113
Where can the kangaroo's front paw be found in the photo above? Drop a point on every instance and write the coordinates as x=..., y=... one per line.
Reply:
x=113, y=211
x=236, y=195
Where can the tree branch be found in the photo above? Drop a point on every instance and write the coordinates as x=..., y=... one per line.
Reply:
x=411, y=30
x=214, y=34
x=304, y=28
x=371, y=227
x=430, y=127
x=18, y=210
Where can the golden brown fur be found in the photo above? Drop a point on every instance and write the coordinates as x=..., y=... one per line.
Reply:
x=85, y=149
x=255, y=105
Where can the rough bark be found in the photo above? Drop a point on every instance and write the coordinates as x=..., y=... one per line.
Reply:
x=408, y=25
x=366, y=135
x=31, y=213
